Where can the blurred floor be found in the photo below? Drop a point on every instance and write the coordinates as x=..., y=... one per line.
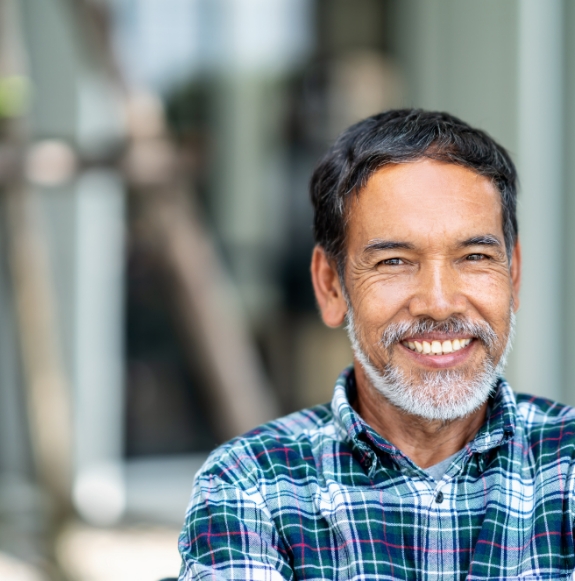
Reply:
x=128, y=553
x=12, y=569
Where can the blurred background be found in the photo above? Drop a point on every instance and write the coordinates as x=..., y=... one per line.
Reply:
x=155, y=234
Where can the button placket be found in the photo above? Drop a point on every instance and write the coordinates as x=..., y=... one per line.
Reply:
x=440, y=515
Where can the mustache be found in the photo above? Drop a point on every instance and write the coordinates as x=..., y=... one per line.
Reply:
x=396, y=332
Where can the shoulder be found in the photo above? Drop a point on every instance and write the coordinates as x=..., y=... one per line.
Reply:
x=284, y=444
x=546, y=423
x=538, y=411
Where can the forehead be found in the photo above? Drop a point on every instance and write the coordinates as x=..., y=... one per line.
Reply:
x=425, y=202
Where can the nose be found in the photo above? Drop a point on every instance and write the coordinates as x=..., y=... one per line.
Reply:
x=438, y=293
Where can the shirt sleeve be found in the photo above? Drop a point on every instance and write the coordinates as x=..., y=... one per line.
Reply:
x=229, y=535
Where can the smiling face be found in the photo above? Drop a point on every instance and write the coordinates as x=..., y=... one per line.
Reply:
x=429, y=285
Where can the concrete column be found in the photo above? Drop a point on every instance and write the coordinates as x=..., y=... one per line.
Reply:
x=98, y=363
x=568, y=267
x=538, y=354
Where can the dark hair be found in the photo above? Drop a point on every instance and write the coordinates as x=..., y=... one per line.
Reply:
x=397, y=136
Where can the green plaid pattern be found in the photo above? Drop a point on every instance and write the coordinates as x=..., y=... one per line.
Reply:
x=319, y=495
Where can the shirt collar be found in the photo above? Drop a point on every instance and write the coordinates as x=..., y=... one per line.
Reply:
x=498, y=428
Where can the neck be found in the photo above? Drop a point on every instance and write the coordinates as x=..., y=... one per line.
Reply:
x=426, y=442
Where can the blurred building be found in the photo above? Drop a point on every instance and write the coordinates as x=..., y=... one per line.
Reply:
x=155, y=229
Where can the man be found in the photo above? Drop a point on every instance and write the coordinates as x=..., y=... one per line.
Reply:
x=426, y=465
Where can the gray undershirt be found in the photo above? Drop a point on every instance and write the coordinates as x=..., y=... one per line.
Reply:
x=438, y=470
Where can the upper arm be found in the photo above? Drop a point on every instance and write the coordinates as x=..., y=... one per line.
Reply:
x=228, y=534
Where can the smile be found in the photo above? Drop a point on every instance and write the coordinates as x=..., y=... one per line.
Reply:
x=436, y=347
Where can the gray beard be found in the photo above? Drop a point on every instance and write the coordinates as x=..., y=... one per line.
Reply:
x=444, y=394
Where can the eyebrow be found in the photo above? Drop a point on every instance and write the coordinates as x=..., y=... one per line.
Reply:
x=375, y=245
x=483, y=240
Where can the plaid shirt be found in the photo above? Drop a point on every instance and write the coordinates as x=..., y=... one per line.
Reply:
x=320, y=495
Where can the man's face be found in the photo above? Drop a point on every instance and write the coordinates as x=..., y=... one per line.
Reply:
x=428, y=280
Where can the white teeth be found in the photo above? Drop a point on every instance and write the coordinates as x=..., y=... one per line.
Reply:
x=437, y=347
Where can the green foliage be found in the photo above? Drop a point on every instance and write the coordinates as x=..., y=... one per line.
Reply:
x=14, y=95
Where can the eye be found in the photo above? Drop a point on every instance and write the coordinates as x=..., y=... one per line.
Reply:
x=392, y=261
x=476, y=257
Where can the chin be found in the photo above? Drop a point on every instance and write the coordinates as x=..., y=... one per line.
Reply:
x=444, y=395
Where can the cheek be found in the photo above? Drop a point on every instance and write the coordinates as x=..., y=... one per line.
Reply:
x=492, y=299
x=381, y=300
x=376, y=309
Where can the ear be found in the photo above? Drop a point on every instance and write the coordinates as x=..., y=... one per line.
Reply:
x=516, y=274
x=327, y=288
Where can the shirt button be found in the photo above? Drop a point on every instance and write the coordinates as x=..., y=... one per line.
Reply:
x=439, y=497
